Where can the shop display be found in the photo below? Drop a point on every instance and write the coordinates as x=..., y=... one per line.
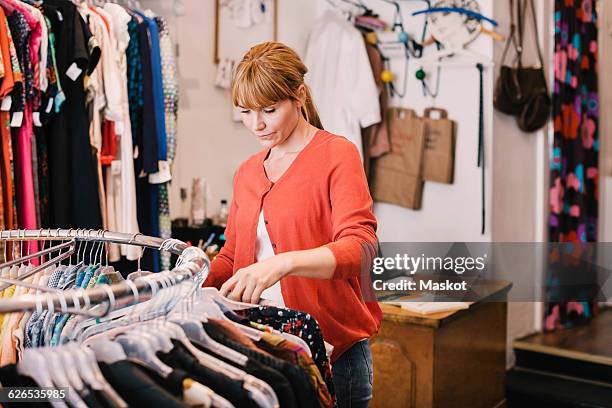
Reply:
x=286, y=274
x=168, y=355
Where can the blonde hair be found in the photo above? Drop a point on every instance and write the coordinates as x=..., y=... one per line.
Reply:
x=269, y=73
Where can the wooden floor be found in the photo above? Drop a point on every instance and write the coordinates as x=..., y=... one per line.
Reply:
x=590, y=343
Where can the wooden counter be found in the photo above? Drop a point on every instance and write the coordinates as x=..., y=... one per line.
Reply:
x=449, y=359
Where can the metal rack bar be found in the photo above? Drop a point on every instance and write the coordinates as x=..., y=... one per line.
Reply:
x=91, y=235
x=194, y=263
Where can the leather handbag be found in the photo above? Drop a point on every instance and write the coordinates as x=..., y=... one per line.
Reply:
x=522, y=91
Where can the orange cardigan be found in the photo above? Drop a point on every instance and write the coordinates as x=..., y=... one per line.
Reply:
x=321, y=199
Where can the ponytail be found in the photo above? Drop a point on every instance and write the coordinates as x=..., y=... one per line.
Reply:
x=309, y=110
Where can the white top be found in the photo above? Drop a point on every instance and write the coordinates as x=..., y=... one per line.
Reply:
x=125, y=183
x=340, y=77
x=263, y=251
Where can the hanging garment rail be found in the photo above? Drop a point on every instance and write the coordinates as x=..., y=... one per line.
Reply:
x=173, y=245
x=193, y=264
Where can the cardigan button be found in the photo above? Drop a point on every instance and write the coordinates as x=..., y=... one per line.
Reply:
x=273, y=245
x=266, y=222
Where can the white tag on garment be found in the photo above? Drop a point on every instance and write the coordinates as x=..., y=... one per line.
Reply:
x=49, y=105
x=60, y=16
x=6, y=103
x=36, y=119
x=17, y=119
x=73, y=71
x=116, y=167
x=163, y=175
x=119, y=127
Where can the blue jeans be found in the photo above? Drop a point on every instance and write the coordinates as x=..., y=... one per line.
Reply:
x=353, y=376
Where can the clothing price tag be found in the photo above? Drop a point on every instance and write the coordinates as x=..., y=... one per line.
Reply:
x=73, y=71
x=49, y=105
x=17, y=119
x=6, y=103
x=119, y=127
x=116, y=167
x=60, y=16
x=36, y=119
x=163, y=175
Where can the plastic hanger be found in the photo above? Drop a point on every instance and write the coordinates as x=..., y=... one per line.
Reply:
x=91, y=374
x=34, y=365
x=436, y=59
x=195, y=332
x=90, y=364
x=91, y=327
x=59, y=377
x=138, y=348
x=470, y=13
x=214, y=294
x=68, y=361
x=211, y=309
x=107, y=351
x=159, y=336
x=192, y=325
x=84, y=366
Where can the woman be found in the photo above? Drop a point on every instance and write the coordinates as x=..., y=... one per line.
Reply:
x=301, y=215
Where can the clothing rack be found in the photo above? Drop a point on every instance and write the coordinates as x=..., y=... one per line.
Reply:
x=192, y=264
x=58, y=234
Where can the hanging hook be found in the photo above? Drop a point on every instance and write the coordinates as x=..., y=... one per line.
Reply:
x=70, y=259
x=3, y=242
x=98, y=250
x=42, y=245
x=106, y=245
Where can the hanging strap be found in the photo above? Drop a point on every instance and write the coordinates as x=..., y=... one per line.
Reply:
x=535, y=31
x=523, y=7
x=481, y=145
x=511, y=37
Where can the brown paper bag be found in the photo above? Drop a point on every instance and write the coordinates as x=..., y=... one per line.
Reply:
x=439, y=155
x=396, y=177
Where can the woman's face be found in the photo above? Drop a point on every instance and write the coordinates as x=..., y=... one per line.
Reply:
x=272, y=125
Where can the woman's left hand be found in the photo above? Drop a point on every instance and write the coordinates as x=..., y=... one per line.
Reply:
x=248, y=283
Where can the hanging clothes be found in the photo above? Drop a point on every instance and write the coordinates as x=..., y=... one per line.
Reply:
x=574, y=165
x=347, y=100
x=75, y=203
x=89, y=109
x=229, y=367
x=170, y=90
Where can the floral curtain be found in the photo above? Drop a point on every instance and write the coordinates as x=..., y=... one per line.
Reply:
x=574, y=159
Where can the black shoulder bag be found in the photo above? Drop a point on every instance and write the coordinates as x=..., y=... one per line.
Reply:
x=522, y=91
